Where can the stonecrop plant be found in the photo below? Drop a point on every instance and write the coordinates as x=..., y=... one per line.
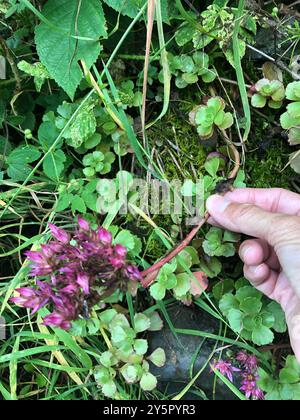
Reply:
x=75, y=272
x=208, y=117
x=271, y=92
x=126, y=356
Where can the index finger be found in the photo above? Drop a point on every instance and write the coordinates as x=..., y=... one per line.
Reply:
x=275, y=200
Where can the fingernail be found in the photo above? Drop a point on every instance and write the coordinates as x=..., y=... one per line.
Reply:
x=217, y=204
x=245, y=251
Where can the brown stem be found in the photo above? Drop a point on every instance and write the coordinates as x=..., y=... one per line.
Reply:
x=177, y=250
x=150, y=274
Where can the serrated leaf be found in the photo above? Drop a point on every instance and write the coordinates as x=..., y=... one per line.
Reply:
x=251, y=305
x=158, y=357
x=63, y=202
x=58, y=51
x=53, y=164
x=280, y=323
x=140, y=346
x=262, y=335
x=288, y=376
x=109, y=389
x=132, y=7
x=158, y=291
x=78, y=205
x=148, y=382
x=228, y=302
x=156, y=323
x=258, y=101
x=183, y=284
x=141, y=323
x=235, y=318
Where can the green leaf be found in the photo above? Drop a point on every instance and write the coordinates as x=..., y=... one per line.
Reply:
x=158, y=357
x=57, y=46
x=17, y=161
x=293, y=91
x=183, y=284
x=109, y=389
x=132, y=7
x=258, y=101
x=235, y=318
x=246, y=292
x=294, y=136
x=279, y=323
x=294, y=110
x=53, y=164
x=37, y=70
x=288, y=376
x=140, y=346
x=24, y=154
x=228, y=302
x=156, y=323
x=227, y=121
x=184, y=35
x=287, y=121
x=158, y=291
x=148, y=382
x=262, y=335
x=78, y=205
x=212, y=166
x=141, y=323
x=295, y=161
x=222, y=288
x=63, y=202
x=130, y=373
x=251, y=305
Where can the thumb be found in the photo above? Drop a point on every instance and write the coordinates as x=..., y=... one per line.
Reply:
x=243, y=218
x=281, y=231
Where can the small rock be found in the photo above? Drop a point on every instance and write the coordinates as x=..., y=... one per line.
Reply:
x=180, y=353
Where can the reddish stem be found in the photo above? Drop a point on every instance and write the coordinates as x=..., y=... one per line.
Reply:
x=177, y=250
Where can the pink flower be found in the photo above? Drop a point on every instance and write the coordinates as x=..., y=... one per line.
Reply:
x=83, y=224
x=249, y=362
x=71, y=273
x=83, y=281
x=250, y=388
x=104, y=236
x=225, y=368
x=57, y=320
x=59, y=234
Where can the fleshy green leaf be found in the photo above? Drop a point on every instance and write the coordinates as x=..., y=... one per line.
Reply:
x=141, y=323
x=140, y=346
x=258, y=101
x=158, y=357
x=262, y=335
x=148, y=382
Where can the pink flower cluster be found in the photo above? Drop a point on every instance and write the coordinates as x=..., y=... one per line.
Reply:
x=75, y=273
x=249, y=376
x=247, y=373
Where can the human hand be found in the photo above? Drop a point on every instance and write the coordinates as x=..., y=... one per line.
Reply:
x=272, y=261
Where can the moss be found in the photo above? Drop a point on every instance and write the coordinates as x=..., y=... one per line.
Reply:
x=185, y=149
x=264, y=168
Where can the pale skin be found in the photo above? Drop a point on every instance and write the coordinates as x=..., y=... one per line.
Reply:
x=272, y=258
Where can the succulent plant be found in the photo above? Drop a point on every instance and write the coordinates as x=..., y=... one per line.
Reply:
x=212, y=115
x=269, y=92
x=188, y=69
x=97, y=162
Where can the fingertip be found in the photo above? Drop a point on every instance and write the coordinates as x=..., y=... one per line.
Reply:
x=257, y=274
x=253, y=253
x=217, y=204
